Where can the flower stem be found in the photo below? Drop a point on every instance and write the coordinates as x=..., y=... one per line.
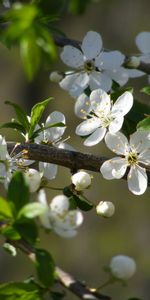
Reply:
x=108, y=282
x=54, y=188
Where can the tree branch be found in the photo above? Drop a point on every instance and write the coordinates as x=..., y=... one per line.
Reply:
x=70, y=159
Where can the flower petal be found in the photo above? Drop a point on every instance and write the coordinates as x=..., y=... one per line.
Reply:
x=54, y=133
x=95, y=137
x=75, y=83
x=72, y=57
x=114, y=168
x=110, y=60
x=44, y=218
x=100, y=100
x=88, y=126
x=116, y=124
x=91, y=45
x=82, y=106
x=123, y=104
x=119, y=75
x=133, y=73
x=49, y=170
x=99, y=80
x=144, y=157
x=137, y=180
x=143, y=42
x=117, y=143
x=140, y=140
x=65, y=233
x=59, y=205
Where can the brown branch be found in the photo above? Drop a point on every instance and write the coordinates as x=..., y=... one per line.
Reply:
x=70, y=159
x=65, y=279
x=63, y=41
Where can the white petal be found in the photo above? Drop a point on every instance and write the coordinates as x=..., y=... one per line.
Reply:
x=95, y=137
x=133, y=73
x=143, y=41
x=54, y=133
x=92, y=44
x=117, y=142
x=116, y=124
x=75, y=83
x=100, y=80
x=119, y=75
x=88, y=126
x=114, y=168
x=140, y=140
x=65, y=146
x=145, y=58
x=65, y=233
x=144, y=157
x=72, y=57
x=82, y=106
x=59, y=204
x=110, y=60
x=49, y=170
x=44, y=218
x=100, y=100
x=137, y=180
x=123, y=104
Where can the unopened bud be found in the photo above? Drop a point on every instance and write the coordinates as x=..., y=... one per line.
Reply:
x=81, y=180
x=122, y=267
x=33, y=179
x=133, y=62
x=105, y=209
x=56, y=76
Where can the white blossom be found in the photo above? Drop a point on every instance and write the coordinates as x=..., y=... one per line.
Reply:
x=56, y=76
x=143, y=43
x=81, y=180
x=58, y=217
x=105, y=209
x=134, y=154
x=102, y=115
x=94, y=68
x=122, y=267
x=33, y=179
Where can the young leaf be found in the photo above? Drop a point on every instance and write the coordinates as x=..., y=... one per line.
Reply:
x=10, y=232
x=21, y=291
x=27, y=230
x=144, y=125
x=36, y=114
x=20, y=114
x=45, y=267
x=59, y=124
x=82, y=203
x=146, y=90
x=5, y=210
x=18, y=192
x=14, y=125
x=31, y=210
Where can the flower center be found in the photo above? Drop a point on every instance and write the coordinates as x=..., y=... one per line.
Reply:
x=132, y=158
x=89, y=66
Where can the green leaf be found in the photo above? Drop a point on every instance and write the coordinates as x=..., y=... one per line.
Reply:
x=144, y=125
x=5, y=210
x=20, y=114
x=18, y=192
x=10, y=232
x=57, y=295
x=45, y=42
x=14, y=125
x=27, y=230
x=31, y=210
x=146, y=90
x=78, y=6
x=45, y=267
x=81, y=203
x=36, y=114
x=59, y=124
x=20, y=291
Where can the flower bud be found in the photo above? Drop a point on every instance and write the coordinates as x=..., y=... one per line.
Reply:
x=134, y=62
x=122, y=267
x=33, y=179
x=105, y=209
x=81, y=180
x=56, y=76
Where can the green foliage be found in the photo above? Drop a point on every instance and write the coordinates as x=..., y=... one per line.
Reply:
x=144, y=125
x=146, y=90
x=20, y=291
x=27, y=229
x=78, y=6
x=31, y=210
x=45, y=267
x=5, y=210
x=77, y=200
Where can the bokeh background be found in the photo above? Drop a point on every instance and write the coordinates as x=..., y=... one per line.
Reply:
x=98, y=239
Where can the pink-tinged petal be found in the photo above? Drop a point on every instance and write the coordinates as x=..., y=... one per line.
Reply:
x=140, y=141
x=117, y=143
x=137, y=180
x=72, y=57
x=88, y=126
x=100, y=100
x=49, y=170
x=116, y=124
x=119, y=75
x=110, y=60
x=123, y=104
x=55, y=133
x=133, y=73
x=91, y=45
x=99, y=80
x=114, y=168
x=144, y=157
x=95, y=137
x=143, y=42
x=82, y=106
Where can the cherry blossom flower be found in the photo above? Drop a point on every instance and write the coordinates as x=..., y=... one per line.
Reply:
x=58, y=217
x=134, y=154
x=94, y=68
x=102, y=115
x=122, y=267
x=81, y=180
x=52, y=137
x=143, y=44
x=105, y=209
x=33, y=179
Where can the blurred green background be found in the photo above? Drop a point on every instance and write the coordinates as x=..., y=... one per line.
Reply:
x=98, y=239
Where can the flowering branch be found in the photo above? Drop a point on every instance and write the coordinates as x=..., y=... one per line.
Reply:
x=70, y=159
